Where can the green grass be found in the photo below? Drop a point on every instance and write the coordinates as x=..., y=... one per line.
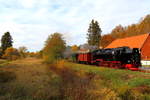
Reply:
x=127, y=84
x=146, y=65
x=109, y=73
x=117, y=77
x=139, y=82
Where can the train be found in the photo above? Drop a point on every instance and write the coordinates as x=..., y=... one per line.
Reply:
x=121, y=57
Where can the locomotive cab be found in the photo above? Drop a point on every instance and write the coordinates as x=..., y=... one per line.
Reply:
x=131, y=58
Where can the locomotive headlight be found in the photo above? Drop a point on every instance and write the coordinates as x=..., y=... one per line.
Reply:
x=128, y=61
x=139, y=51
x=113, y=52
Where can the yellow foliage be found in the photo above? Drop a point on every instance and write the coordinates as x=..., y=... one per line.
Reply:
x=11, y=54
x=54, y=48
x=74, y=48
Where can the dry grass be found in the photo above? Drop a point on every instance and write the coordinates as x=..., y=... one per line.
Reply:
x=30, y=79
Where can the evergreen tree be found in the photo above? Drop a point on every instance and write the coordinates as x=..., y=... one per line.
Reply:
x=1, y=52
x=6, y=41
x=94, y=34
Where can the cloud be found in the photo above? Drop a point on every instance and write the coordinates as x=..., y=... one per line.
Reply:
x=31, y=21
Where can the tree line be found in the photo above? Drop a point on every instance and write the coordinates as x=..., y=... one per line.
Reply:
x=55, y=46
x=94, y=37
x=8, y=52
x=142, y=27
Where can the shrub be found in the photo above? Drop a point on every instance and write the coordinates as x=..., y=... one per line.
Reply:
x=11, y=54
x=22, y=51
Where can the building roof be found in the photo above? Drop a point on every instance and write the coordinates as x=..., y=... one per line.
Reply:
x=132, y=42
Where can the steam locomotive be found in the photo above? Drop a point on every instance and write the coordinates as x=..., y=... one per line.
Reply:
x=121, y=57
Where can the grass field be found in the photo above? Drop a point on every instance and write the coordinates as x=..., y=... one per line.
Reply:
x=31, y=79
x=147, y=66
x=123, y=82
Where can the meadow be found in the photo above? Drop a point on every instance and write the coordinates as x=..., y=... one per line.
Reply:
x=31, y=79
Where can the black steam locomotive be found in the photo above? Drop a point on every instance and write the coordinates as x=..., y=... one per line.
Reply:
x=121, y=57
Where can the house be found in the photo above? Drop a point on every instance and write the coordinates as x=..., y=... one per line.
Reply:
x=140, y=41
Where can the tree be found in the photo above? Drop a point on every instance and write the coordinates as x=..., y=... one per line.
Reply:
x=118, y=32
x=74, y=48
x=144, y=25
x=23, y=51
x=132, y=30
x=39, y=54
x=6, y=41
x=31, y=54
x=106, y=40
x=1, y=52
x=54, y=48
x=94, y=34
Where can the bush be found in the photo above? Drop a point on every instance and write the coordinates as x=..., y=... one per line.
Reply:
x=22, y=51
x=11, y=54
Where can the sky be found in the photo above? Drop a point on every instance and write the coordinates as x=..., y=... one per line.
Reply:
x=30, y=22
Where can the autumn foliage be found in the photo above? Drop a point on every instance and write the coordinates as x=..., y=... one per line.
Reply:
x=74, y=48
x=54, y=48
x=106, y=39
x=11, y=54
x=119, y=31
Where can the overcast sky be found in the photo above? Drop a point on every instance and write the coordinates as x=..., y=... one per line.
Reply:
x=31, y=21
